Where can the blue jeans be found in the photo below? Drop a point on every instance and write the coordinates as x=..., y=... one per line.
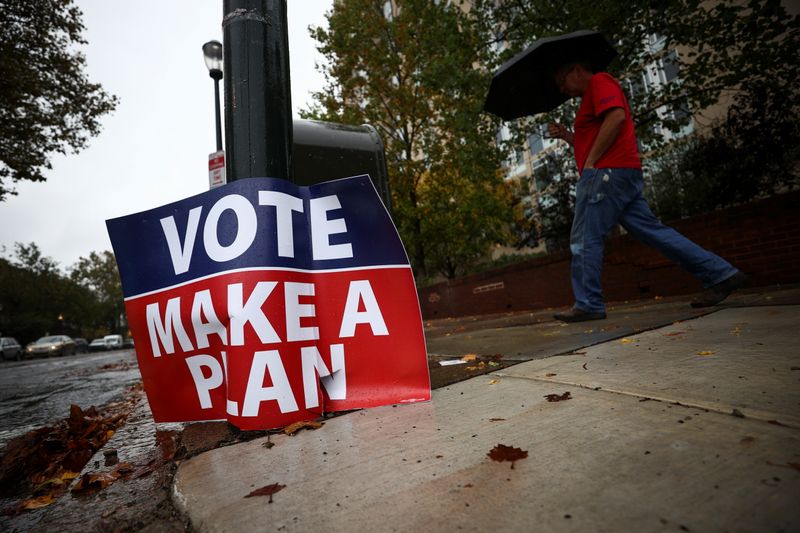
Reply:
x=608, y=196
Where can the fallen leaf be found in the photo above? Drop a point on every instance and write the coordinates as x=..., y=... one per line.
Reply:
x=584, y=366
x=551, y=374
x=492, y=382
x=95, y=481
x=291, y=429
x=37, y=503
x=468, y=486
x=625, y=341
x=705, y=352
x=268, y=490
x=558, y=397
x=493, y=363
x=675, y=333
x=496, y=419
x=469, y=357
x=502, y=452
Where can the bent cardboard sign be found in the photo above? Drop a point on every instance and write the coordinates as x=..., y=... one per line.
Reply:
x=264, y=303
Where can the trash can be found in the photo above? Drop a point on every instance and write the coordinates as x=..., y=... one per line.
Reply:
x=325, y=151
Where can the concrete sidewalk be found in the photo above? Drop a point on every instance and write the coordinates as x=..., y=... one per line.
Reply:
x=692, y=426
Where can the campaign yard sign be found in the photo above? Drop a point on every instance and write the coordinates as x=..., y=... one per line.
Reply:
x=265, y=303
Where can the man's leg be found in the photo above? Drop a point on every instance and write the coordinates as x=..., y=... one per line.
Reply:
x=597, y=208
x=710, y=269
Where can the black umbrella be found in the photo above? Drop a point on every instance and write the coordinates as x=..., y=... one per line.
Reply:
x=524, y=84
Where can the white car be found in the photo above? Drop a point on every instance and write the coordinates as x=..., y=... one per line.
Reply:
x=113, y=342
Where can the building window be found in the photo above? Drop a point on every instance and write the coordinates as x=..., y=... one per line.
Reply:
x=535, y=142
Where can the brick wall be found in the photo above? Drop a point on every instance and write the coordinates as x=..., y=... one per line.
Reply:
x=761, y=238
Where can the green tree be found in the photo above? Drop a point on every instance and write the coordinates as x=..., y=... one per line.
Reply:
x=98, y=274
x=415, y=75
x=37, y=298
x=722, y=47
x=47, y=103
x=741, y=51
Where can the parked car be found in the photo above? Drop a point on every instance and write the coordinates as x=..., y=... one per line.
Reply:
x=97, y=345
x=51, y=345
x=10, y=348
x=113, y=342
x=81, y=346
x=127, y=343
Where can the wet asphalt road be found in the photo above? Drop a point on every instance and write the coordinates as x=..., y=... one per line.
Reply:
x=37, y=392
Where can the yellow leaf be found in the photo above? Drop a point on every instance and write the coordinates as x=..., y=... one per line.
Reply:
x=494, y=381
x=469, y=357
x=705, y=352
x=37, y=503
x=291, y=429
x=626, y=341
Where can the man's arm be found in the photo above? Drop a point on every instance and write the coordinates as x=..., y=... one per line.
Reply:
x=609, y=129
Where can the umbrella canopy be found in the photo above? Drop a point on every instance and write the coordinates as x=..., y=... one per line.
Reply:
x=524, y=84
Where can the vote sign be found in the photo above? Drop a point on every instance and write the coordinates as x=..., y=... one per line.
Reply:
x=264, y=303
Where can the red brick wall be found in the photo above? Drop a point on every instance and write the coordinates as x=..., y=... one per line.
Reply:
x=761, y=238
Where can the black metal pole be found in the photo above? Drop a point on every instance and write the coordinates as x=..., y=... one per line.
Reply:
x=218, y=117
x=258, y=107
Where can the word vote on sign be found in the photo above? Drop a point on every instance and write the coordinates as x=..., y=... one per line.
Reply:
x=264, y=303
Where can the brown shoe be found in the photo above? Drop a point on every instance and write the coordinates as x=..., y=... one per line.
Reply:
x=716, y=294
x=578, y=315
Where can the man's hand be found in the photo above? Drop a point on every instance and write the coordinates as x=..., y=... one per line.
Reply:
x=559, y=131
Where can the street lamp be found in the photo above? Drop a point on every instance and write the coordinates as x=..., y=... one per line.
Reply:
x=212, y=52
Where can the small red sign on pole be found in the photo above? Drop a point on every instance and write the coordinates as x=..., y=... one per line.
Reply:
x=216, y=169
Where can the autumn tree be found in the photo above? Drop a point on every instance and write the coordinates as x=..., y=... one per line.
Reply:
x=414, y=73
x=47, y=103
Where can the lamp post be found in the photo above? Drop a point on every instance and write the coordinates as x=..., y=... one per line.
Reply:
x=212, y=53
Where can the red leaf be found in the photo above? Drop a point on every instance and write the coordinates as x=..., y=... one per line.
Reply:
x=558, y=397
x=502, y=452
x=268, y=490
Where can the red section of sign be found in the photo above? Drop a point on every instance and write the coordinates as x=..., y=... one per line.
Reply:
x=216, y=162
x=367, y=349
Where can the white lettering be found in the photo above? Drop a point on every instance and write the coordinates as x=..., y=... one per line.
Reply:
x=231, y=407
x=280, y=391
x=295, y=311
x=322, y=229
x=284, y=205
x=181, y=254
x=162, y=331
x=246, y=226
x=203, y=306
x=361, y=291
x=334, y=380
x=240, y=314
x=202, y=383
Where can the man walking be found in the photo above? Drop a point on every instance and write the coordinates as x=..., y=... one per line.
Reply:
x=609, y=191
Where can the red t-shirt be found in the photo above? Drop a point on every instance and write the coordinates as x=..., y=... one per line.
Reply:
x=602, y=94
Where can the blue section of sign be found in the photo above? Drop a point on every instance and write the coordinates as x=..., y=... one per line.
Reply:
x=147, y=262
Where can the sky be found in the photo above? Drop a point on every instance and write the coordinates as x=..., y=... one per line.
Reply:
x=154, y=148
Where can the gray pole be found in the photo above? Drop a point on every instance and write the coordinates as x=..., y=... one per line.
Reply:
x=258, y=106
